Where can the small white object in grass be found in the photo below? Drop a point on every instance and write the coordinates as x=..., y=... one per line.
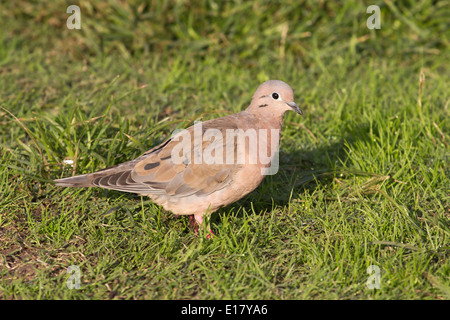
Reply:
x=68, y=161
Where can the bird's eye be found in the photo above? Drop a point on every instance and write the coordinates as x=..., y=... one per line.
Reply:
x=275, y=95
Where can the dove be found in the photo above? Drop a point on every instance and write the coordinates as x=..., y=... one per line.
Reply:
x=209, y=165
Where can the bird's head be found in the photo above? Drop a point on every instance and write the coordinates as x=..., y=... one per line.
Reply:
x=273, y=97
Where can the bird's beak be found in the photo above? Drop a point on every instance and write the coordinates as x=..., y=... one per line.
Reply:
x=294, y=107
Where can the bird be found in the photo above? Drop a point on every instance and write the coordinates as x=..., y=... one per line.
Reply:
x=209, y=165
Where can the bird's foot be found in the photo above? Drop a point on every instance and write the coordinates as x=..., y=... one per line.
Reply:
x=195, y=221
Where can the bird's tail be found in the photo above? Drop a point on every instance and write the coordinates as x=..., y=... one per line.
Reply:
x=84, y=180
x=92, y=179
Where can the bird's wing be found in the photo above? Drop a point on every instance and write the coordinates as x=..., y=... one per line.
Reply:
x=173, y=168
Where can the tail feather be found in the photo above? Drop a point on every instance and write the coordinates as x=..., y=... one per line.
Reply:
x=117, y=177
x=88, y=180
x=84, y=180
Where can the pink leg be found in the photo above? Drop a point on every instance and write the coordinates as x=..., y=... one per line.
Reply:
x=195, y=221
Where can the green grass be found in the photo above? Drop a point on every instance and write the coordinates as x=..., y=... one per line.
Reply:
x=363, y=174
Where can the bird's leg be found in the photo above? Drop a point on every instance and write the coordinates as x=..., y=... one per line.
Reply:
x=196, y=220
x=193, y=223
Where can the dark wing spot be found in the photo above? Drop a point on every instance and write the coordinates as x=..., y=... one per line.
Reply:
x=150, y=166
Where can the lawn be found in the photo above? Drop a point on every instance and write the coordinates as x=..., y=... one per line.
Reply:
x=358, y=210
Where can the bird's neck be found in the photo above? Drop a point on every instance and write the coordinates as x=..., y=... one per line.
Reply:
x=266, y=118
